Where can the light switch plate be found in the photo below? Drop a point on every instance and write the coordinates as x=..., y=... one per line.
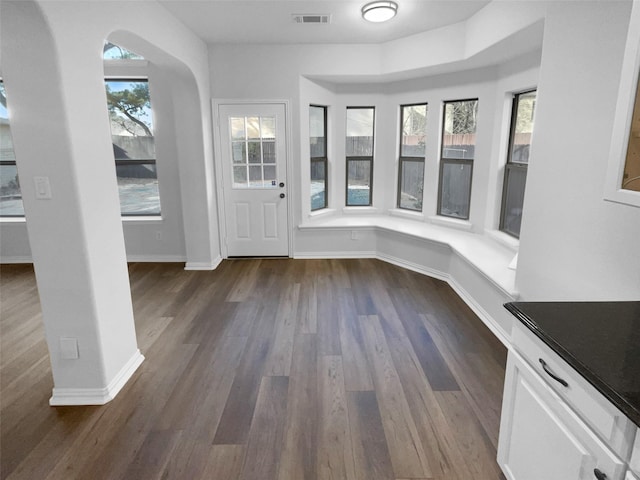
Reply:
x=43, y=188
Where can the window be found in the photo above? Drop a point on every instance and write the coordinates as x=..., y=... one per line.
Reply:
x=359, y=153
x=515, y=172
x=318, y=148
x=413, y=134
x=10, y=196
x=133, y=145
x=253, y=146
x=456, y=158
x=111, y=51
x=631, y=172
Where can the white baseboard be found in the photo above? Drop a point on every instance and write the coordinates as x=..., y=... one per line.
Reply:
x=20, y=259
x=156, y=258
x=415, y=267
x=482, y=314
x=203, y=265
x=97, y=396
x=329, y=255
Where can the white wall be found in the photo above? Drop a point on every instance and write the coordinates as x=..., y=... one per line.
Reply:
x=575, y=245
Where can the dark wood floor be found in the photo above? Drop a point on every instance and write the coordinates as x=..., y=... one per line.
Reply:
x=266, y=369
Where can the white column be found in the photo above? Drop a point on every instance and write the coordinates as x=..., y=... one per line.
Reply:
x=60, y=130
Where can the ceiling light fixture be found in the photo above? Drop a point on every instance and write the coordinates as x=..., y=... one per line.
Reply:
x=379, y=11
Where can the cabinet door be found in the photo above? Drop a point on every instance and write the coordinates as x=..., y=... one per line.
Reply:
x=541, y=438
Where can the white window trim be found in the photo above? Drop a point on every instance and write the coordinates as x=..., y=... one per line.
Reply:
x=624, y=110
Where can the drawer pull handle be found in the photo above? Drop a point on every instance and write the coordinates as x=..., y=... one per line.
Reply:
x=561, y=381
x=599, y=475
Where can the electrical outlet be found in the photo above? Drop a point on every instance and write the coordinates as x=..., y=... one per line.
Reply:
x=158, y=235
x=69, y=348
x=354, y=234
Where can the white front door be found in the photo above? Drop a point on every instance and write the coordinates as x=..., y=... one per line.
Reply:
x=254, y=171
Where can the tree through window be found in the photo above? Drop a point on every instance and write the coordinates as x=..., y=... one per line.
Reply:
x=133, y=142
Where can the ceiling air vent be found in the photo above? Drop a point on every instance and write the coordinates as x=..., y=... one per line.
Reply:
x=311, y=18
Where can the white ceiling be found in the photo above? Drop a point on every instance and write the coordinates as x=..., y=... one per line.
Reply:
x=269, y=21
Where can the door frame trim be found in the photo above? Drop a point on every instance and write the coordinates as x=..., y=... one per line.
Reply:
x=216, y=103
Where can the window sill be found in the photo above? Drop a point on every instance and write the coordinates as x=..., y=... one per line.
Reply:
x=504, y=239
x=142, y=219
x=322, y=212
x=13, y=220
x=359, y=210
x=465, y=225
x=413, y=215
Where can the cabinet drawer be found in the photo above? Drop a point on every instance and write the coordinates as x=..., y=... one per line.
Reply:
x=594, y=409
x=541, y=437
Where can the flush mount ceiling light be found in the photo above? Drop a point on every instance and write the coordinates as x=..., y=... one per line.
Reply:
x=379, y=11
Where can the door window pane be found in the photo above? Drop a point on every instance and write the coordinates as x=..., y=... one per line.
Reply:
x=455, y=189
x=359, y=132
x=255, y=175
x=411, y=185
x=459, y=132
x=239, y=152
x=359, y=182
x=268, y=152
x=240, y=177
x=269, y=173
x=268, y=127
x=255, y=155
x=253, y=127
x=237, y=128
x=414, y=130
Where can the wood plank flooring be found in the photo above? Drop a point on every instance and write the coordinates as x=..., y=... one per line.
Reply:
x=265, y=369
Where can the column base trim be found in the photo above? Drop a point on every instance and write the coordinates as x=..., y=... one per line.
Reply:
x=203, y=265
x=97, y=396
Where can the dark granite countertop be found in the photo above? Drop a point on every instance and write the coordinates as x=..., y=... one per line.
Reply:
x=601, y=340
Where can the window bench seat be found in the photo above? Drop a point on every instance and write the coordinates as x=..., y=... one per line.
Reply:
x=476, y=266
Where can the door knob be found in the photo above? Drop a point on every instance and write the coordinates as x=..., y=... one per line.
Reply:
x=281, y=184
x=599, y=475
x=282, y=195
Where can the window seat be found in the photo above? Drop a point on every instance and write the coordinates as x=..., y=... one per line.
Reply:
x=476, y=266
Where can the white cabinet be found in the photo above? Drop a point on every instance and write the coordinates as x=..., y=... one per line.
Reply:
x=542, y=438
x=609, y=423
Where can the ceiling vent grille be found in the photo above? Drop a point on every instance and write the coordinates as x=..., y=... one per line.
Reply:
x=311, y=18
